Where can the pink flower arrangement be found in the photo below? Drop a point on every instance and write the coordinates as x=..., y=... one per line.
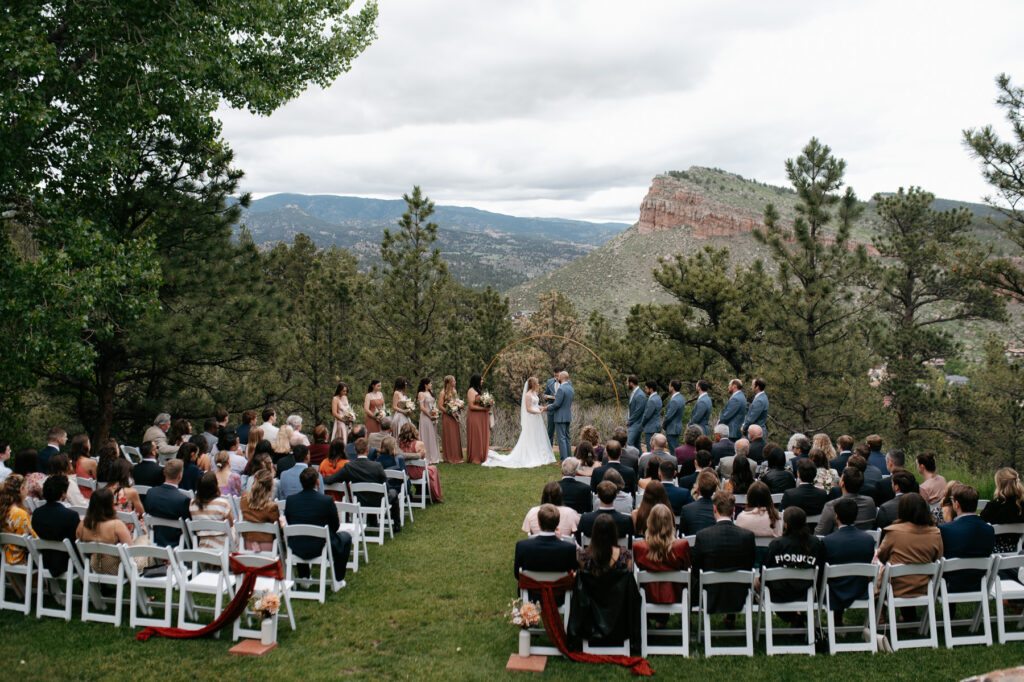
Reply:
x=524, y=614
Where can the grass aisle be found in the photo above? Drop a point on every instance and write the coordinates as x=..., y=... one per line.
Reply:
x=429, y=605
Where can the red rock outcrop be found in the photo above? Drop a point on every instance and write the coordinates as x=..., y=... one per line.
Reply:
x=670, y=204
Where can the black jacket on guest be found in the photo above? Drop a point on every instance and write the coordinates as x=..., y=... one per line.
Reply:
x=148, y=472
x=623, y=522
x=544, y=553
x=806, y=496
x=628, y=475
x=576, y=495
x=697, y=516
x=724, y=546
x=167, y=502
x=54, y=521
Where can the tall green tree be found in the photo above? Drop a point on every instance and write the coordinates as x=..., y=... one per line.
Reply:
x=476, y=331
x=926, y=281
x=987, y=415
x=812, y=347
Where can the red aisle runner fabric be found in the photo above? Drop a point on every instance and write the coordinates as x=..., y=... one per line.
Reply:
x=233, y=610
x=556, y=630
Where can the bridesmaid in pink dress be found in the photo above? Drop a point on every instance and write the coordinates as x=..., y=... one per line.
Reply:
x=374, y=399
x=428, y=427
x=339, y=405
x=478, y=426
x=451, y=435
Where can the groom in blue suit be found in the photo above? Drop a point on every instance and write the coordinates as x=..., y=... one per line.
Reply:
x=701, y=415
x=652, y=413
x=635, y=415
x=734, y=411
x=550, y=388
x=562, y=409
x=673, y=421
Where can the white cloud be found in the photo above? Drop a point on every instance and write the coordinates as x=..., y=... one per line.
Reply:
x=569, y=108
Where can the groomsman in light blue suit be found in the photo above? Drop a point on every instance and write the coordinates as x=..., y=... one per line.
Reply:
x=757, y=413
x=673, y=421
x=562, y=407
x=652, y=413
x=701, y=414
x=734, y=411
x=550, y=388
x=635, y=415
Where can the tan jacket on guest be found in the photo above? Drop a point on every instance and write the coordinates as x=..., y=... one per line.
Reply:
x=159, y=438
x=908, y=543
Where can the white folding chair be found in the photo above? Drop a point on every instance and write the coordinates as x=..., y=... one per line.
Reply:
x=93, y=582
x=351, y=521
x=210, y=526
x=422, y=497
x=876, y=535
x=131, y=453
x=153, y=522
x=927, y=600
x=142, y=490
x=777, y=498
x=583, y=479
x=325, y=561
x=812, y=520
x=263, y=585
x=31, y=504
x=382, y=511
x=87, y=483
x=404, y=500
x=681, y=607
x=130, y=519
x=1010, y=529
x=982, y=504
x=236, y=506
x=187, y=493
x=769, y=607
x=745, y=578
x=545, y=577
x=1005, y=589
x=868, y=572
x=139, y=583
x=192, y=565
x=18, y=575
x=78, y=509
x=740, y=500
x=978, y=597
x=64, y=596
x=243, y=527
x=280, y=506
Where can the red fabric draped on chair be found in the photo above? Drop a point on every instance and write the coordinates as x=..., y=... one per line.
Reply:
x=233, y=610
x=556, y=630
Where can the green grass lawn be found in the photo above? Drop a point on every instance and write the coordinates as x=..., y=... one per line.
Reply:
x=429, y=605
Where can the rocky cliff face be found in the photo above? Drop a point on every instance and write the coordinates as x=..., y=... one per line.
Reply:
x=670, y=204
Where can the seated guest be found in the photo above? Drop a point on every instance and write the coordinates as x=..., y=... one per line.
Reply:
x=741, y=475
x=14, y=516
x=913, y=539
x=229, y=442
x=702, y=462
x=875, y=457
x=934, y=485
x=623, y=500
x=826, y=478
x=700, y=514
x=807, y=495
x=230, y=483
x=147, y=472
x=282, y=443
x=335, y=461
x=317, y=509
x=603, y=553
x=210, y=505
x=589, y=433
x=544, y=551
x=108, y=453
x=409, y=442
x=686, y=454
x=740, y=447
x=157, y=434
x=102, y=525
x=659, y=451
x=568, y=518
x=297, y=437
x=255, y=436
x=894, y=461
x=946, y=513
x=799, y=448
x=654, y=494
x=126, y=498
x=84, y=464
x=1007, y=506
x=321, y=446
x=283, y=463
x=723, y=447
x=824, y=443
x=166, y=502
x=377, y=439
x=723, y=546
x=188, y=453
x=290, y=484
x=390, y=457
x=777, y=477
x=585, y=454
x=650, y=473
x=55, y=440
x=677, y=497
x=760, y=515
x=248, y=424
x=26, y=464
x=873, y=486
x=269, y=425
x=575, y=494
x=850, y=484
x=211, y=429
x=203, y=459
x=261, y=462
x=756, y=444
x=259, y=506
x=622, y=435
x=967, y=536
x=629, y=457
x=180, y=432
x=54, y=521
x=796, y=548
x=606, y=492
x=661, y=551
x=847, y=545
x=60, y=465
x=613, y=450
x=902, y=482
x=362, y=470
x=840, y=461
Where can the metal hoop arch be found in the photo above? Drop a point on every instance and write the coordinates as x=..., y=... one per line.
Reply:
x=618, y=407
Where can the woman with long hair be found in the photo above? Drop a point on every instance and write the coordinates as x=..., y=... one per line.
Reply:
x=203, y=460
x=603, y=554
x=662, y=551
x=14, y=517
x=652, y=473
x=26, y=463
x=654, y=494
x=188, y=453
x=588, y=460
x=210, y=505
x=913, y=539
x=85, y=466
x=760, y=514
x=590, y=434
x=451, y=434
x=335, y=461
x=568, y=518
x=180, y=432
x=741, y=478
x=373, y=401
x=409, y=442
x=686, y=454
x=262, y=462
x=402, y=414
x=821, y=440
x=934, y=485
x=826, y=478
x=60, y=465
x=126, y=498
x=478, y=427
x=1007, y=506
x=320, y=448
x=255, y=436
x=228, y=482
x=339, y=407
x=428, y=416
x=108, y=453
x=102, y=525
x=283, y=442
x=259, y=506
x=795, y=548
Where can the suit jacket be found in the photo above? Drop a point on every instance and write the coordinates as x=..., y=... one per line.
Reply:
x=702, y=413
x=157, y=436
x=628, y=475
x=966, y=536
x=652, y=414
x=54, y=521
x=673, y=420
x=550, y=390
x=637, y=405
x=315, y=509
x=44, y=457
x=148, y=472
x=687, y=482
x=361, y=470
x=290, y=484
x=721, y=449
x=733, y=413
x=840, y=461
x=576, y=495
x=677, y=497
x=724, y=546
x=645, y=459
x=778, y=480
x=874, y=487
x=794, y=461
x=350, y=453
x=877, y=460
x=623, y=522
x=757, y=413
x=284, y=464
x=848, y=545
x=887, y=512
x=167, y=502
x=544, y=553
x=809, y=498
x=629, y=459
x=866, y=513
x=756, y=453
x=562, y=404
x=697, y=516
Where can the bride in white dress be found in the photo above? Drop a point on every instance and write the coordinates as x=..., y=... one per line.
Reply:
x=533, y=449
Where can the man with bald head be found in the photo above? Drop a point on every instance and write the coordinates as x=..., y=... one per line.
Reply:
x=659, y=449
x=742, y=447
x=755, y=435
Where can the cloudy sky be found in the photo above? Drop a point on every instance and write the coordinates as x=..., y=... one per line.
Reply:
x=568, y=108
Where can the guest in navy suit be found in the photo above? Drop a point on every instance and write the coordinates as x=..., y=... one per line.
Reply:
x=575, y=494
x=966, y=536
x=875, y=457
x=652, y=413
x=735, y=410
x=614, y=450
x=148, y=472
x=673, y=421
x=54, y=521
x=845, y=444
x=806, y=495
x=167, y=502
x=635, y=414
x=698, y=515
x=55, y=440
x=317, y=509
x=724, y=546
x=544, y=551
x=847, y=545
x=677, y=497
x=606, y=493
x=701, y=415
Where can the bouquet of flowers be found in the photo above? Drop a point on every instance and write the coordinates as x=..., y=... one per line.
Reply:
x=486, y=400
x=265, y=605
x=454, y=407
x=524, y=614
x=409, y=405
x=380, y=413
x=348, y=417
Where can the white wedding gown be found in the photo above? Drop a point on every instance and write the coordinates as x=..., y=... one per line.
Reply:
x=533, y=449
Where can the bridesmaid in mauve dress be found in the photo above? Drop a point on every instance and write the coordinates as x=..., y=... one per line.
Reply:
x=339, y=404
x=428, y=427
x=401, y=416
x=478, y=428
x=451, y=437
x=374, y=399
